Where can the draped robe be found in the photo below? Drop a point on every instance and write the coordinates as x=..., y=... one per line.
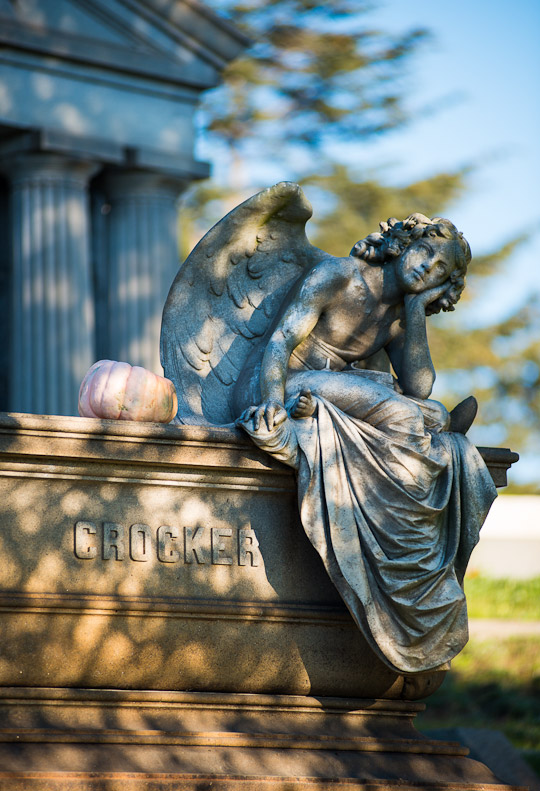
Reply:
x=394, y=514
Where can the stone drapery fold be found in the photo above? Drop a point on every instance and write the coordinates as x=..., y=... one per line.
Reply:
x=394, y=520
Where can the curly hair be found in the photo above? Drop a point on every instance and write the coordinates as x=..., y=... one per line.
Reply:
x=396, y=235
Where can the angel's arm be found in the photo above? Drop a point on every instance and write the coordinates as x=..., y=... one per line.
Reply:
x=409, y=350
x=308, y=302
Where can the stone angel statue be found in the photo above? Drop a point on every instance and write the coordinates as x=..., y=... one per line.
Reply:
x=264, y=330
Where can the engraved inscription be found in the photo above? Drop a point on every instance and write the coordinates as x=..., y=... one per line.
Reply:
x=193, y=548
x=167, y=538
x=220, y=547
x=85, y=549
x=140, y=541
x=199, y=546
x=248, y=548
x=113, y=541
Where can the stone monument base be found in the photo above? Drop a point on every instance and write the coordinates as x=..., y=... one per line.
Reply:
x=120, y=740
x=137, y=558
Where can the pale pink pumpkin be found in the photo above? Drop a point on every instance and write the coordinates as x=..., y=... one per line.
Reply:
x=119, y=391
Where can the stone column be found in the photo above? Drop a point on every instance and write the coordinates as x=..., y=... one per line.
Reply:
x=142, y=261
x=52, y=321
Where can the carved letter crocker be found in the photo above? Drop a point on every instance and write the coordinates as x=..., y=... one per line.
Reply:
x=248, y=545
x=167, y=539
x=113, y=541
x=219, y=558
x=219, y=546
x=140, y=542
x=85, y=548
x=192, y=544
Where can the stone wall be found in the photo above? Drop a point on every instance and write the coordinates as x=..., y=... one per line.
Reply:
x=97, y=140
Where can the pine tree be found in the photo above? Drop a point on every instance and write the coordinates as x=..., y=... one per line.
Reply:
x=316, y=77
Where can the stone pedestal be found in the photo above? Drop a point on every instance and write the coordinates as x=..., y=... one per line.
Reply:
x=159, y=557
x=141, y=262
x=52, y=327
x=75, y=740
x=165, y=623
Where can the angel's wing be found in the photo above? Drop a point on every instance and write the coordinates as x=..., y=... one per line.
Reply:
x=226, y=295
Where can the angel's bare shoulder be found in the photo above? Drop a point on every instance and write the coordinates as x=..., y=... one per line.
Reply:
x=328, y=277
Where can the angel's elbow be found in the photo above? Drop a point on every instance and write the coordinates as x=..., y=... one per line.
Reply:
x=283, y=339
x=419, y=387
x=277, y=340
x=423, y=393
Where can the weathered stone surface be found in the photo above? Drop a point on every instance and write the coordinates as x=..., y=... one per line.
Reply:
x=133, y=665
x=164, y=558
x=149, y=61
x=161, y=557
x=265, y=331
x=111, y=739
x=52, y=329
x=499, y=461
x=108, y=89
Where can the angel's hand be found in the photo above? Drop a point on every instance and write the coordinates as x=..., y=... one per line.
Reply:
x=427, y=297
x=304, y=405
x=273, y=412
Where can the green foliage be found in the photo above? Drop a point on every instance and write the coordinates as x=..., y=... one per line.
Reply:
x=359, y=206
x=318, y=76
x=503, y=598
x=493, y=684
x=312, y=72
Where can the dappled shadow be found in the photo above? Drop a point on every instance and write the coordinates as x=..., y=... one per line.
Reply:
x=100, y=91
x=148, y=561
x=491, y=695
x=87, y=98
x=135, y=259
x=493, y=684
x=5, y=292
x=85, y=626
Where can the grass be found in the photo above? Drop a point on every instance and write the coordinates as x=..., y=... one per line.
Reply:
x=492, y=684
x=502, y=598
x=495, y=683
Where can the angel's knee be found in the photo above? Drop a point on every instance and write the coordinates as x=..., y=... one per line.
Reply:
x=396, y=415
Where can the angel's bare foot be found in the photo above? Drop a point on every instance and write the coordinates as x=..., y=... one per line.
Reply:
x=304, y=405
x=462, y=415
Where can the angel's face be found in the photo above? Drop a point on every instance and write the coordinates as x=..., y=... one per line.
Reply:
x=426, y=263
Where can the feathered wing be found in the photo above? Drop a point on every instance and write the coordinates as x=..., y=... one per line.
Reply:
x=226, y=295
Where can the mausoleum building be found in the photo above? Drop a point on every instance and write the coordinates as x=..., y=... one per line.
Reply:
x=97, y=134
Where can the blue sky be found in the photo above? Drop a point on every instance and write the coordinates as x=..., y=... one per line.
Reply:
x=480, y=69
x=486, y=57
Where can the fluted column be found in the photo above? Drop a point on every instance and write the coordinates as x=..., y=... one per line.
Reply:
x=52, y=322
x=142, y=253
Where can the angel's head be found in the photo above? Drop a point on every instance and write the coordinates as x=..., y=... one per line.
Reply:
x=426, y=253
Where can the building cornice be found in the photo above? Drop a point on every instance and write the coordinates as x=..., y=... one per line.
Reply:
x=15, y=35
